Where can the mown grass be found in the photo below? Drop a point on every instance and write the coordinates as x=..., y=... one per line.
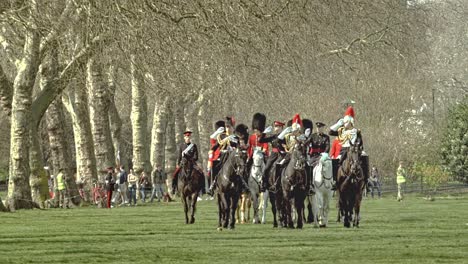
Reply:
x=413, y=231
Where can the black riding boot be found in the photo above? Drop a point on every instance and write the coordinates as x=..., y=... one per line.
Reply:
x=213, y=185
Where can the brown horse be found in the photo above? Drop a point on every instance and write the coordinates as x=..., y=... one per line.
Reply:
x=350, y=186
x=190, y=182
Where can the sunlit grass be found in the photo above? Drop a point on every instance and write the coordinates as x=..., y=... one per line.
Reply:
x=412, y=231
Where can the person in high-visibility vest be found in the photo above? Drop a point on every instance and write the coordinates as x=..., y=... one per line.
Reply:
x=62, y=190
x=400, y=179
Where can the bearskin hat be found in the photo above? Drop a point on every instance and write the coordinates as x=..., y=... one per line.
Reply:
x=219, y=124
x=308, y=124
x=230, y=121
x=242, y=130
x=259, y=121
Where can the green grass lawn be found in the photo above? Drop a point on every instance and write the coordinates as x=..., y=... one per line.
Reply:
x=412, y=231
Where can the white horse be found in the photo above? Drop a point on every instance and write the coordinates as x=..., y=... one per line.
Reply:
x=323, y=182
x=255, y=179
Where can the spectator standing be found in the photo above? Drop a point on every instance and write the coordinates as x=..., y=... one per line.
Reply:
x=109, y=186
x=132, y=187
x=158, y=178
x=143, y=185
x=123, y=185
x=374, y=182
x=62, y=190
x=401, y=180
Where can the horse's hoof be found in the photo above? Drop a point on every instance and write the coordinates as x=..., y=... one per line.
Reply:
x=219, y=229
x=347, y=225
x=323, y=226
x=192, y=221
x=275, y=225
x=299, y=227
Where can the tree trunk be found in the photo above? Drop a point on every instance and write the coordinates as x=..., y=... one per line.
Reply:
x=19, y=190
x=204, y=128
x=139, y=120
x=60, y=150
x=76, y=103
x=115, y=121
x=38, y=177
x=99, y=109
x=170, y=148
x=158, y=141
x=179, y=120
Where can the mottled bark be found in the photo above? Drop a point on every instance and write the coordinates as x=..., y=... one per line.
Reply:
x=158, y=138
x=6, y=92
x=38, y=178
x=115, y=121
x=76, y=103
x=139, y=118
x=99, y=109
x=170, y=147
x=60, y=149
x=19, y=190
x=180, y=124
x=204, y=128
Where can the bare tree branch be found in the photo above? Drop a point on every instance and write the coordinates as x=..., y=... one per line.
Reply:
x=168, y=16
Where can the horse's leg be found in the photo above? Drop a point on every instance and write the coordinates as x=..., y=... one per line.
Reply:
x=233, y=206
x=272, y=198
x=194, y=207
x=357, y=207
x=220, y=211
x=242, y=209
x=254, y=197
x=326, y=207
x=299, y=204
x=184, y=200
x=228, y=207
x=265, y=206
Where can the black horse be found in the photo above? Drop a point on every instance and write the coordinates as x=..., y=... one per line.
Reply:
x=293, y=182
x=350, y=186
x=229, y=187
x=190, y=182
x=275, y=193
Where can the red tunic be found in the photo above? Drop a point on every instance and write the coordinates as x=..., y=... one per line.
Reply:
x=253, y=143
x=335, y=149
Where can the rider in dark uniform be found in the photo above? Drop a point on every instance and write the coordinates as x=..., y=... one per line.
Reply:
x=319, y=143
x=188, y=150
x=277, y=151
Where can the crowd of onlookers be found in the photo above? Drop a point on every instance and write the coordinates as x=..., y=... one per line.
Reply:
x=118, y=189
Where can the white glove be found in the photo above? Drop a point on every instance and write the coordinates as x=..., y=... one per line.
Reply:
x=338, y=124
x=233, y=138
x=217, y=132
x=268, y=130
x=307, y=132
x=285, y=131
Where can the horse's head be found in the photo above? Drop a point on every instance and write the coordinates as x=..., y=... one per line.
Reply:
x=354, y=160
x=258, y=157
x=238, y=161
x=185, y=163
x=298, y=155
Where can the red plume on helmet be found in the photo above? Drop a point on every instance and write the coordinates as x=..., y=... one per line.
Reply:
x=349, y=112
x=296, y=122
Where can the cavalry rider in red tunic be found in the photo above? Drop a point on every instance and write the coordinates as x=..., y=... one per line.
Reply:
x=258, y=125
x=276, y=152
x=188, y=150
x=213, y=155
x=225, y=140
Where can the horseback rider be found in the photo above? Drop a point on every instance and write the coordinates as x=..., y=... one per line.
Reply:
x=319, y=143
x=348, y=135
x=225, y=140
x=189, y=150
x=277, y=152
x=258, y=126
x=290, y=136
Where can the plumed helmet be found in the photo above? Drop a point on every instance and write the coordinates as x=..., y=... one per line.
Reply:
x=259, y=121
x=230, y=121
x=296, y=122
